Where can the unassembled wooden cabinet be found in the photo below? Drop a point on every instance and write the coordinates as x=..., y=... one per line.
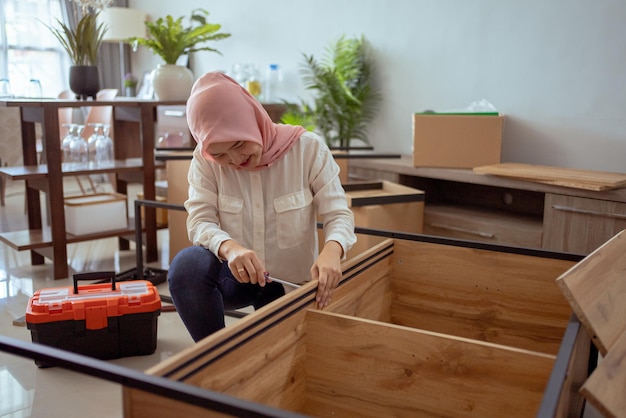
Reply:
x=419, y=326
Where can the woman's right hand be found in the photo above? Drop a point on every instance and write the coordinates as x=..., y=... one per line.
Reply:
x=242, y=262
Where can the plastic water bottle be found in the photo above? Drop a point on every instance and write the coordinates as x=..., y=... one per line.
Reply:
x=273, y=80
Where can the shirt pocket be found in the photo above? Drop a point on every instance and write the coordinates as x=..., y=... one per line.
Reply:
x=294, y=214
x=231, y=216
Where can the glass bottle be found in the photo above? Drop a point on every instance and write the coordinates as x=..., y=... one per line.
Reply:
x=5, y=88
x=34, y=88
x=91, y=143
x=253, y=81
x=74, y=149
x=103, y=147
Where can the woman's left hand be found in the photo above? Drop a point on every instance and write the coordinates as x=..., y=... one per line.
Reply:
x=327, y=271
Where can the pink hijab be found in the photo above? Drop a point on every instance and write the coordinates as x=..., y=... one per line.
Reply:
x=220, y=110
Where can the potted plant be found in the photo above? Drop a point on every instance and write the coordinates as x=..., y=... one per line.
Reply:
x=345, y=98
x=82, y=44
x=170, y=39
x=130, y=85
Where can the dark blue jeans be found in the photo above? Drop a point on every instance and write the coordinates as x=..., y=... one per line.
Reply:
x=202, y=288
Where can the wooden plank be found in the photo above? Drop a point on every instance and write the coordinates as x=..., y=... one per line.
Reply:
x=383, y=193
x=605, y=387
x=368, y=297
x=557, y=176
x=357, y=367
x=596, y=290
x=27, y=239
x=493, y=296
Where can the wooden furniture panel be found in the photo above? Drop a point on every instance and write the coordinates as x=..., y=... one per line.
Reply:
x=580, y=225
x=177, y=192
x=571, y=219
x=595, y=289
x=581, y=179
x=605, y=387
x=482, y=225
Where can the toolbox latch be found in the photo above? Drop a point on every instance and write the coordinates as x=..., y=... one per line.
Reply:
x=96, y=317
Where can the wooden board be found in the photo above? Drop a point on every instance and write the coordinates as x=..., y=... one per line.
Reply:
x=498, y=297
x=557, y=176
x=357, y=367
x=605, y=388
x=596, y=290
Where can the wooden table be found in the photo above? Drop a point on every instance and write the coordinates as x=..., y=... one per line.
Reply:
x=133, y=135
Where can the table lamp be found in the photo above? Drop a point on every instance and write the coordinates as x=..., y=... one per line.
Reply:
x=122, y=23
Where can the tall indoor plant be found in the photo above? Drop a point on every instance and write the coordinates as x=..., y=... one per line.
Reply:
x=82, y=43
x=345, y=97
x=170, y=39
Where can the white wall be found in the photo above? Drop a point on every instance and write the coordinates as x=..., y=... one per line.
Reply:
x=555, y=68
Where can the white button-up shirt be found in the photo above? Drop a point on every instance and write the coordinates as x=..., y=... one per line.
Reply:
x=273, y=210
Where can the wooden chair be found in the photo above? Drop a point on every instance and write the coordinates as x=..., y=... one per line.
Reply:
x=65, y=114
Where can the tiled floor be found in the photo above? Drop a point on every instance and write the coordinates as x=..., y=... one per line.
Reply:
x=26, y=390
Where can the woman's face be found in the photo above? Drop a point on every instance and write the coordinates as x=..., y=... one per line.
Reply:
x=241, y=155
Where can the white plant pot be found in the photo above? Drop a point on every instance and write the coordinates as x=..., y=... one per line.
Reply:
x=172, y=82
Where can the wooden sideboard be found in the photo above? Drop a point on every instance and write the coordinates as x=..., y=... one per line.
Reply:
x=462, y=204
x=133, y=136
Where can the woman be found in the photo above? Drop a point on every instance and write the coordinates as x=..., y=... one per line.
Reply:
x=255, y=191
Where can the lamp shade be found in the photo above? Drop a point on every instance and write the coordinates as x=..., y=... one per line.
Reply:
x=122, y=23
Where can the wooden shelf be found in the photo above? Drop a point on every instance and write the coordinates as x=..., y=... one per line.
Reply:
x=34, y=172
x=133, y=136
x=42, y=238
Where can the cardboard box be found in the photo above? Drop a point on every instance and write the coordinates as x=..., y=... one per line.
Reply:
x=456, y=140
x=104, y=320
x=90, y=214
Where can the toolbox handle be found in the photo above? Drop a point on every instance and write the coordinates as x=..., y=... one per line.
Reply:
x=94, y=275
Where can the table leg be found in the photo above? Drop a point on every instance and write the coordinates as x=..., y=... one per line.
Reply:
x=147, y=123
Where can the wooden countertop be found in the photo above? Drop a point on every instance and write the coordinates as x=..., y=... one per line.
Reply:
x=404, y=166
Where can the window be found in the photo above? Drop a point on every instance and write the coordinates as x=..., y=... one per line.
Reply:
x=28, y=49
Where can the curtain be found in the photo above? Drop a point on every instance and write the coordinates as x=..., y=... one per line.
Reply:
x=109, y=65
x=109, y=60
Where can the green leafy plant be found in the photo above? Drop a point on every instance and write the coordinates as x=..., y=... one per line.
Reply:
x=82, y=43
x=169, y=38
x=130, y=80
x=345, y=99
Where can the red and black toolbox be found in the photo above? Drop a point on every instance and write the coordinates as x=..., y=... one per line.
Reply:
x=102, y=320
